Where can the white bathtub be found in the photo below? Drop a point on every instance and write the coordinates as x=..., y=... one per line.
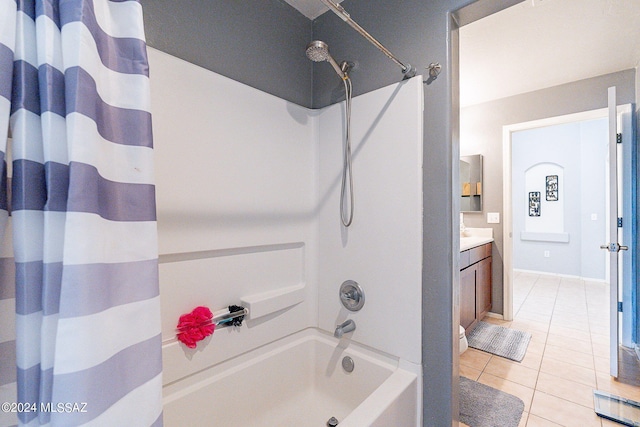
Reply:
x=297, y=381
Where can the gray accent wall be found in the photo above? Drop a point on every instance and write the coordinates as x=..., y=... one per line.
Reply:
x=260, y=43
x=481, y=133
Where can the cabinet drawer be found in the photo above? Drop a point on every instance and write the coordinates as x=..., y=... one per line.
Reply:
x=479, y=253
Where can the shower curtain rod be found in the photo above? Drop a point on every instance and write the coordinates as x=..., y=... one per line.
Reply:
x=407, y=70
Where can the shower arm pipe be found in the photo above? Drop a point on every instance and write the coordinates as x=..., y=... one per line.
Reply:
x=407, y=70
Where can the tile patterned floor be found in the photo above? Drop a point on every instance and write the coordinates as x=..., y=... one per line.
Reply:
x=567, y=357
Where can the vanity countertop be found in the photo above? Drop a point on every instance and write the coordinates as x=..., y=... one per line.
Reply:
x=473, y=237
x=473, y=241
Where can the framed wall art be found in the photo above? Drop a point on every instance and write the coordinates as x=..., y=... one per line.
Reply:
x=534, y=203
x=552, y=188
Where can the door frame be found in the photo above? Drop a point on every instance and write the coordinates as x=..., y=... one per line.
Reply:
x=507, y=132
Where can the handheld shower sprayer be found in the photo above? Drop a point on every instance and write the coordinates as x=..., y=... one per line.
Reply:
x=318, y=51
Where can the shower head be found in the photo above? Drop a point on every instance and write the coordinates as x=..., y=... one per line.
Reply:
x=318, y=51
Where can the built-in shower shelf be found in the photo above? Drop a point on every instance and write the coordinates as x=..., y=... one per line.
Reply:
x=272, y=301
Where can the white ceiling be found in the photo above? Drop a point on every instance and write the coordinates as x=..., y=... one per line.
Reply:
x=310, y=8
x=543, y=43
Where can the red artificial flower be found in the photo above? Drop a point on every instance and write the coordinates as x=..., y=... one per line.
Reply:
x=195, y=326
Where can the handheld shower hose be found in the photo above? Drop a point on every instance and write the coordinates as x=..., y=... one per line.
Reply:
x=318, y=51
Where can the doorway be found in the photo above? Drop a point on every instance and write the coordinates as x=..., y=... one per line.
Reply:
x=480, y=138
x=585, y=202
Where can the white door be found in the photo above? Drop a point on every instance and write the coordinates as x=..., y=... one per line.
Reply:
x=613, y=246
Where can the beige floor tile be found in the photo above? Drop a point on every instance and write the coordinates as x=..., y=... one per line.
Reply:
x=532, y=359
x=495, y=321
x=571, y=302
x=530, y=325
x=523, y=419
x=562, y=411
x=565, y=389
x=545, y=288
x=579, y=310
x=599, y=339
x=600, y=350
x=475, y=359
x=524, y=393
x=599, y=316
x=581, y=316
x=512, y=372
x=538, y=336
x=565, y=331
x=570, y=343
x=536, y=421
x=536, y=347
x=536, y=317
x=569, y=356
x=548, y=282
x=538, y=305
x=601, y=364
x=569, y=371
x=599, y=329
x=471, y=373
x=610, y=385
x=579, y=324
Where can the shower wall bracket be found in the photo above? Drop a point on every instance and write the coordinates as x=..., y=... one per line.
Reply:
x=434, y=69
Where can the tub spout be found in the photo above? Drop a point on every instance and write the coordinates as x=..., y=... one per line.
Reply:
x=345, y=327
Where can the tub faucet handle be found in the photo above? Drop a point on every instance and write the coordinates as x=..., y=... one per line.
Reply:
x=351, y=295
x=345, y=327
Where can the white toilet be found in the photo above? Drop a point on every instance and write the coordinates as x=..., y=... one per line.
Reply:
x=464, y=344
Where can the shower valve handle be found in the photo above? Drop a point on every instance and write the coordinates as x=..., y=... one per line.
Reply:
x=351, y=295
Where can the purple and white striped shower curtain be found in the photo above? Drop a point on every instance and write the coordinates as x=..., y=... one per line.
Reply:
x=74, y=82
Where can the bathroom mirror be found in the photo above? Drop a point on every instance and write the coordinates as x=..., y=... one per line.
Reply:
x=471, y=183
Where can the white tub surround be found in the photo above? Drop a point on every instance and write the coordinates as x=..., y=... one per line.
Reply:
x=297, y=381
x=473, y=237
x=248, y=214
x=382, y=249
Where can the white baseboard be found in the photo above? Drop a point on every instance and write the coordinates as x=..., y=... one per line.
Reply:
x=495, y=315
x=567, y=276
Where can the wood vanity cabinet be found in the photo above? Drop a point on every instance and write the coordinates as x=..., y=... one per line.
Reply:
x=475, y=285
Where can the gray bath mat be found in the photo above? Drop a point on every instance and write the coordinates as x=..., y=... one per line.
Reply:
x=509, y=343
x=484, y=406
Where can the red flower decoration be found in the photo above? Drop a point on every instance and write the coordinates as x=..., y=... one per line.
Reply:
x=195, y=326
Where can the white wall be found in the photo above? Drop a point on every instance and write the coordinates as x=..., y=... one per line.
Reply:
x=577, y=152
x=235, y=174
x=247, y=195
x=382, y=249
